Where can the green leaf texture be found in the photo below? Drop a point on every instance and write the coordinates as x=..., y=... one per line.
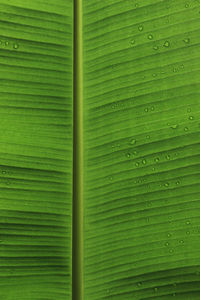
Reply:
x=141, y=145
x=35, y=149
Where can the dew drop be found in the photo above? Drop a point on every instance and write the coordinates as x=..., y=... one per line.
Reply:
x=155, y=289
x=132, y=142
x=166, y=44
x=191, y=118
x=152, y=108
x=148, y=136
x=6, y=43
x=187, y=40
x=181, y=241
x=146, y=109
x=150, y=37
x=166, y=244
x=166, y=184
x=174, y=126
x=139, y=284
x=153, y=169
x=155, y=48
x=186, y=5
x=178, y=182
x=132, y=42
x=171, y=250
x=128, y=155
x=137, y=164
x=140, y=28
x=188, y=222
x=3, y=172
x=168, y=157
x=186, y=128
x=157, y=159
x=154, y=75
x=169, y=234
x=189, y=109
x=187, y=232
x=144, y=161
x=15, y=46
x=134, y=152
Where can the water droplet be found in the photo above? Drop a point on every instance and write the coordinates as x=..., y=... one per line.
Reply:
x=150, y=37
x=136, y=5
x=171, y=250
x=140, y=28
x=132, y=42
x=186, y=128
x=153, y=169
x=137, y=164
x=15, y=46
x=155, y=289
x=189, y=109
x=174, y=126
x=155, y=48
x=144, y=161
x=166, y=244
x=134, y=152
x=186, y=5
x=169, y=234
x=110, y=178
x=191, y=118
x=139, y=284
x=166, y=184
x=168, y=157
x=187, y=40
x=3, y=172
x=166, y=44
x=148, y=136
x=6, y=43
x=187, y=232
x=175, y=70
x=182, y=66
x=178, y=182
x=146, y=109
x=128, y=155
x=181, y=241
x=152, y=108
x=132, y=142
x=157, y=159
x=188, y=222
x=154, y=74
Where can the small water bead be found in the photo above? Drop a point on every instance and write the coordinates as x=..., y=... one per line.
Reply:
x=188, y=232
x=166, y=44
x=187, y=40
x=186, y=5
x=186, y=128
x=169, y=235
x=155, y=48
x=15, y=46
x=136, y=5
x=191, y=118
x=137, y=164
x=155, y=289
x=146, y=109
x=174, y=126
x=133, y=141
x=189, y=109
x=154, y=74
x=150, y=37
x=181, y=241
x=6, y=43
x=134, y=152
x=168, y=157
x=174, y=294
x=166, y=244
x=3, y=172
x=128, y=155
x=171, y=250
x=148, y=136
x=139, y=284
x=166, y=184
x=153, y=169
x=144, y=161
x=178, y=182
x=188, y=222
x=152, y=108
x=140, y=28
x=157, y=159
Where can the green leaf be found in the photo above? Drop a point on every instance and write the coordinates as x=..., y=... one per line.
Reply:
x=141, y=102
x=36, y=149
x=99, y=110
